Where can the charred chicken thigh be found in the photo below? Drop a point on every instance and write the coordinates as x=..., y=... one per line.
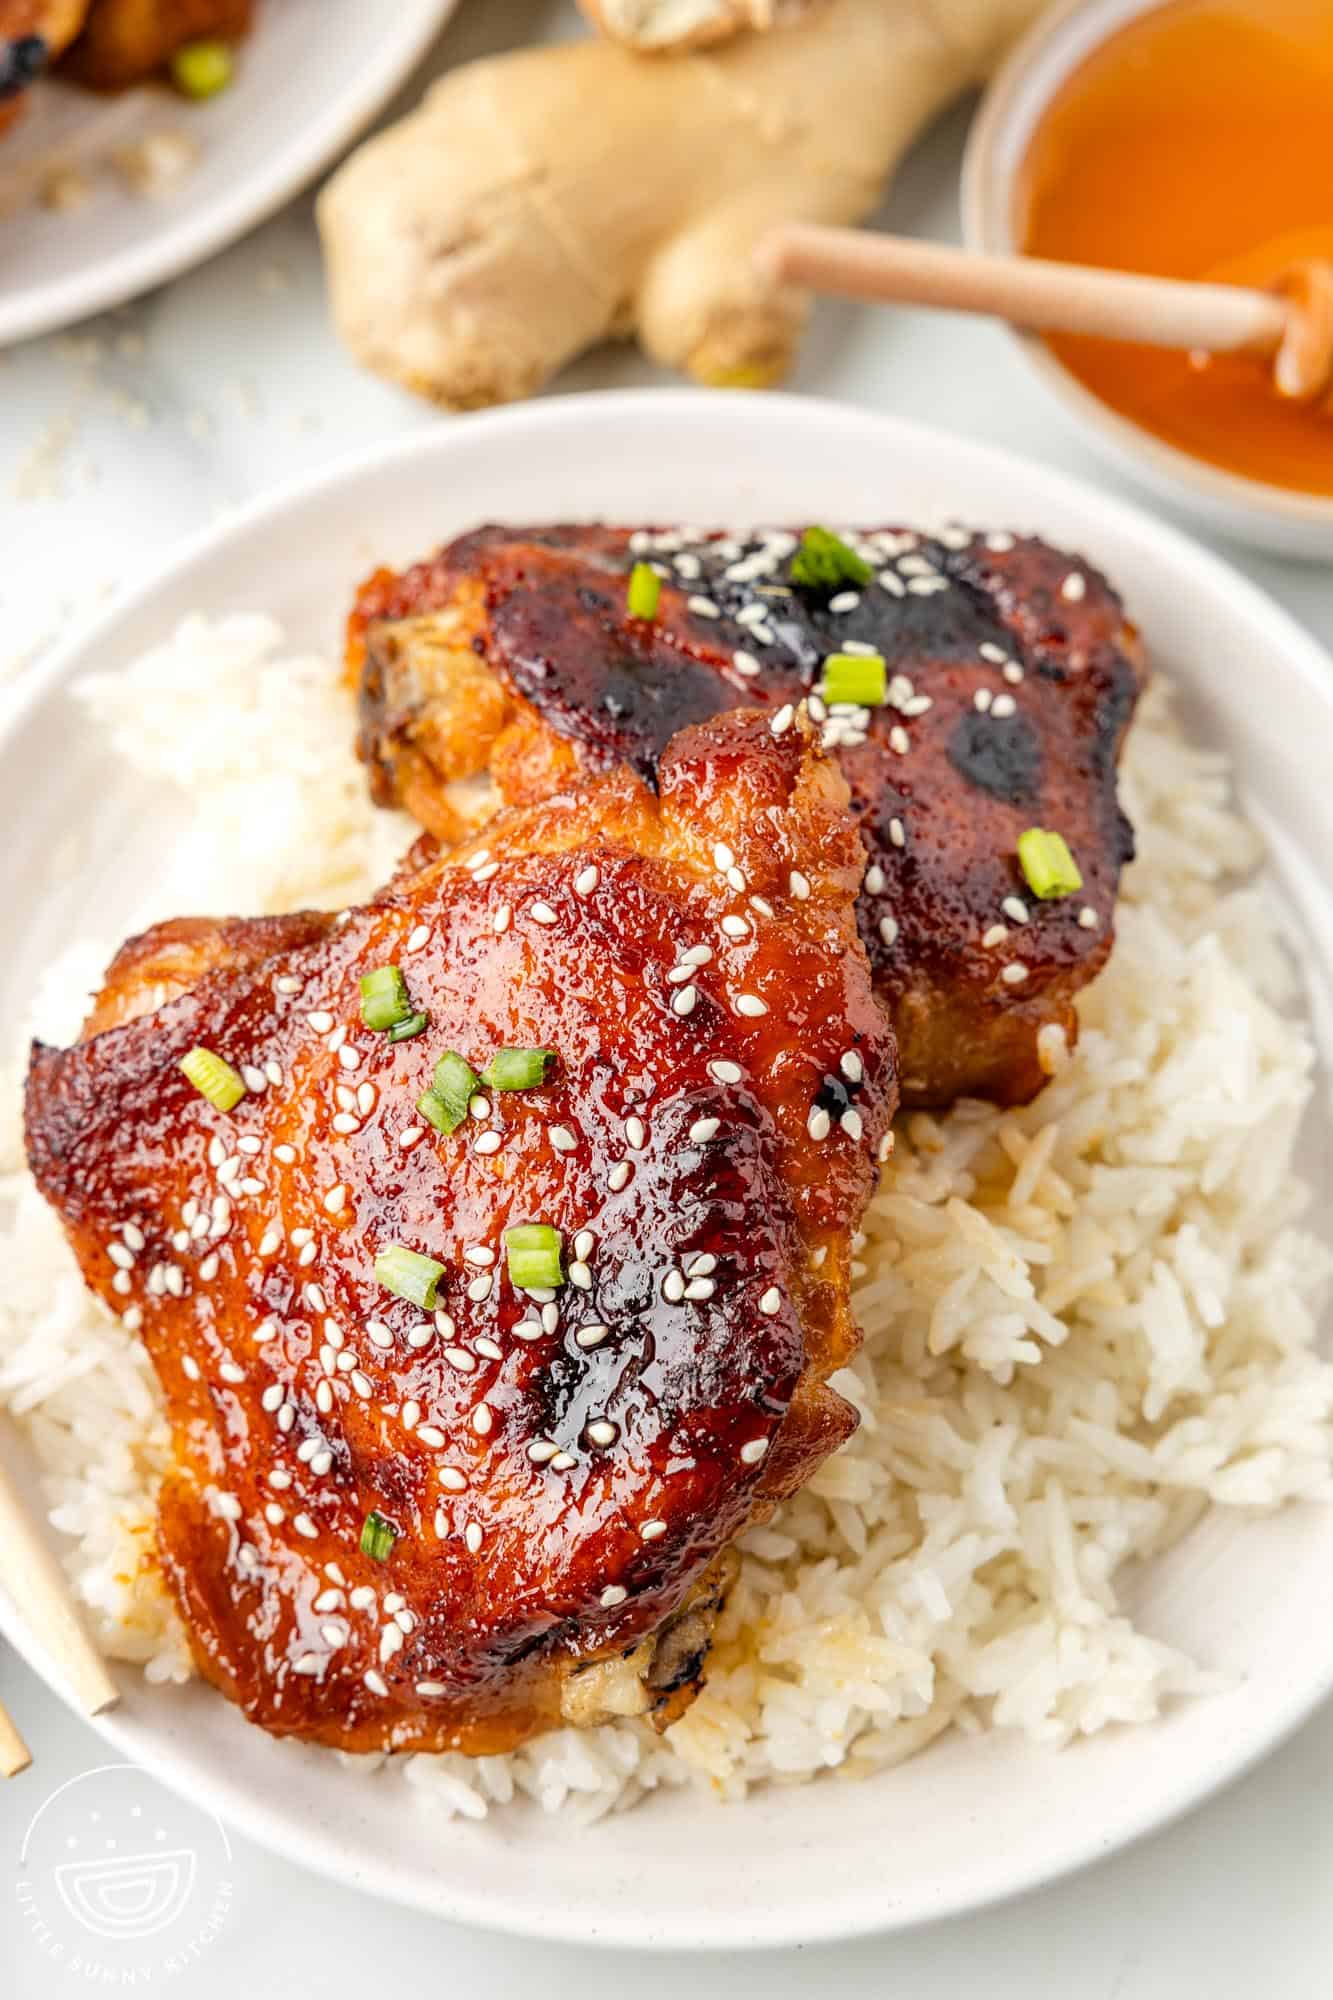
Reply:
x=485, y=1326
x=1011, y=677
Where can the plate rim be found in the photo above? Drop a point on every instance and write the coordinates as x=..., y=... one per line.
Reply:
x=875, y=1915
x=185, y=241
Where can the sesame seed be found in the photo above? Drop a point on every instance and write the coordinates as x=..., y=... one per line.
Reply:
x=488, y=1142
x=409, y=1136
x=888, y=930
x=750, y=1005
x=687, y=566
x=477, y=1253
x=875, y=879
x=432, y=1435
x=982, y=700
x=1074, y=587
x=652, y=1531
x=541, y=1451
x=700, y=1288
x=417, y=937
x=305, y=1526
x=752, y=1452
x=1015, y=909
x=349, y=1057
x=174, y=1281
x=274, y=1514
x=1012, y=672
x=602, y=1432
x=990, y=651
x=995, y=935
x=480, y=1288
x=846, y=600
x=376, y=1331
x=361, y=1384
x=365, y=1098
x=132, y=1320
x=481, y=1420
x=745, y=664
x=1003, y=707
x=1001, y=543
x=308, y=1663
x=723, y=858
x=585, y=881
x=889, y=580
x=615, y=1593
x=458, y=1357
x=314, y=1298
x=501, y=919
x=736, y=880
x=490, y=1348
x=683, y=1003
x=702, y=607
x=320, y=1022
x=273, y=1071
x=722, y=1071
x=818, y=1124
x=591, y=1335
x=120, y=1256
x=323, y=1398
x=851, y=1123
x=485, y=874
x=1088, y=918
x=735, y=927
x=703, y=1129
x=619, y=1176
x=391, y=1642
x=562, y=1461
x=375, y=1682
x=452, y=1479
x=1015, y=974
x=896, y=834
x=634, y=1133
x=250, y=1145
x=783, y=720
x=580, y=1275
x=899, y=740
x=852, y=1067
x=479, y=1107
x=253, y=1078
x=542, y=913
x=550, y=1316
x=472, y=1536
x=583, y=1243
x=335, y=1198
x=286, y=984
x=121, y=1283
x=673, y=1287
x=345, y=1123
x=411, y=1414
x=562, y=1138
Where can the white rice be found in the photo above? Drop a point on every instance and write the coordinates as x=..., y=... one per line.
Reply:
x=1087, y=1322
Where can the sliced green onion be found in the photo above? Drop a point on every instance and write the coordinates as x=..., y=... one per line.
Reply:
x=201, y=69
x=1049, y=869
x=377, y=1537
x=452, y=1090
x=213, y=1078
x=409, y=1275
x=403, y=1031
x=533, y=1253
x=384, y=1000
x=517, y=1069
x=860, y=678
x=645, y=588
x=823, y=562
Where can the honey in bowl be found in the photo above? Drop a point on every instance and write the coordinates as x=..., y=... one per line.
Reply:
x=1196, y=142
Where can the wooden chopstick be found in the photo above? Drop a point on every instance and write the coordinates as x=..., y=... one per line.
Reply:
x=1027, y=291
x=39, y=1587
x=15, y=1755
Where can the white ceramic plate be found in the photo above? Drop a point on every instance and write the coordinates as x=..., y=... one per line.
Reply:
x=971, y=1819
x=308, y=78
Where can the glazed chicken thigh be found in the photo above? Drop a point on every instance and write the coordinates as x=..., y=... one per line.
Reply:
x=1012, y=677
x=448, y=1511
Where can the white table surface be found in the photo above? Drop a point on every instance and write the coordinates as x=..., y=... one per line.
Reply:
x=116, y=440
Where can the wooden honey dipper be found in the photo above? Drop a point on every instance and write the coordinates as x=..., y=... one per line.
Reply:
x=1291, y=325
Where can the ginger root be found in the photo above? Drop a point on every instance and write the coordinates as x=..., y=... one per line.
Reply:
x=651, y=25
x=537, y=203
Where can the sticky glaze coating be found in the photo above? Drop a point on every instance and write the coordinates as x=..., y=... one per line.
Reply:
x=1014, y=678
x=560, y=1471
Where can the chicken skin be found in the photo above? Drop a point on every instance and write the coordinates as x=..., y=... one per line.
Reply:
x=451, y=1518
x=1012, y=678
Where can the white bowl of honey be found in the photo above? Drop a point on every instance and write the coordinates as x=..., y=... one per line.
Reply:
x=1187, y=138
